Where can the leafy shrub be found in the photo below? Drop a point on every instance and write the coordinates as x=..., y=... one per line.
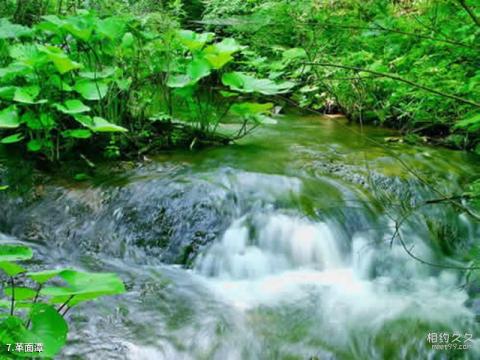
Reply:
x=36, y=314
x=68, y=79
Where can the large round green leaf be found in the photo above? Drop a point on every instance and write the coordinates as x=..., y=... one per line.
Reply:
x=21, y=293
x=72, y=107
x=244, y=83
x=11, y=31
x=10, y=268
x=192, y=40
x=48, y=328
x=84, y=286
x=61, y=60
x=43, y=276
x=9, y=118
x=91, y=90
x=198, y=69
x=219, y=54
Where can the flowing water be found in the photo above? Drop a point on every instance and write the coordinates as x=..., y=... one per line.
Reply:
x=279, y=247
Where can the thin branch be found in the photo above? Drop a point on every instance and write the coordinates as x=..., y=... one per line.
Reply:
x=398, y=78
x=469, y=11
x=65, y=303
x=412, y=255
x=377, y=27
x=37, y=294
x=12, y=305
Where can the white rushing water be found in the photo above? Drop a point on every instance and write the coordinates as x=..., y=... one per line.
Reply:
x=279, y=260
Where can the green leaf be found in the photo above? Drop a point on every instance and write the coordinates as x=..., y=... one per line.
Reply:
x=27, y=95
x=98, y=124
x=248, y=108
x=4, y=187
x=7, y=92
x=21, y=293
x=244, y=83
x=186, y=92
x=15, y=253
x=102, y=125
x=77, y=134
x=11, y=331
x=80, y=27
x=63, y=63
x=85, y=286
x=178, y=81
x=219, y=54
x=42, y=277
x=34, y=145
x=12, y=139
x=112, y=27
x=29, y=55
x=9, y=118
x=294, y=53
x=56, y=81
x=61, y=60
x=13, y=31
x=228, y=94
x=10, y=268
x=13, y=70
x=194, y=41
x=51, y=23
x=128, y=40
x=72, y=107
x=47, y=327
x=91, y=90
x=43, y=122
x=198, y=69
x=95, y=75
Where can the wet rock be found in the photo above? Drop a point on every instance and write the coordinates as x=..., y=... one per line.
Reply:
x=145, y=221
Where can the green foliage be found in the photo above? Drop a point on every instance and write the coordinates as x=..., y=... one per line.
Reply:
x=430, y=43
x=116, y=73
x=248, y=84
x=32, y=316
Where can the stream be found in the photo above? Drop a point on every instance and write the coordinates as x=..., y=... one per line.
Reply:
x=279, y=247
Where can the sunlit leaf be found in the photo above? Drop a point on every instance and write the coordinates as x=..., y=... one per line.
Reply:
x=48, y=327
x=27, y=95
x=194, y=41
x=9, y=118
x=77, y=133
x=244, y=83
x=12, y=139
x=72, y=107
x=112, y=27
x=11, y=31
x=21, y=293
x=248, y=108
x=61, y=60
x=11, y=268
x=88, y=285
x=91, y=90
